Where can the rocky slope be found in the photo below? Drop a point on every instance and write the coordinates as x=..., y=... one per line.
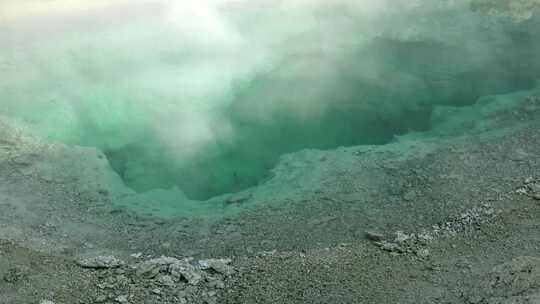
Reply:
x=448, y=216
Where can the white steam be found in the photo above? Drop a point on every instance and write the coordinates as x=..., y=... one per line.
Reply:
x=109, y=73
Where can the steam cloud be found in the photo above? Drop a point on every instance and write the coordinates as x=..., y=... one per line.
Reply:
x=188, y=82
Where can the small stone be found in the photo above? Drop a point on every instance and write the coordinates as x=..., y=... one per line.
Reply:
x=136, y=255
x=166, y=280
x=266, y=243
x=422, y=253
x=401, y=237
x=475, y=299
x=156, y=291
x=521, y=191
x=122, y=299
x=101, y=262
x=186, y=271
x=425, y=237
x=46, y=302
x=374, y=236
x=390, y=247
x=121, y=279
x=150, y=269
x=219, y=265
x=537, y=196
x=120, y=271
x=211, y=301
x=101, y=299
x=147, y=270
x=434, y=267
x=181, y=294
x=535, y=188
x=216, y=283
x=409, y=196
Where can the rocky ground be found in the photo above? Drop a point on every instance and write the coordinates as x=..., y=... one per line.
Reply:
x=447, y=217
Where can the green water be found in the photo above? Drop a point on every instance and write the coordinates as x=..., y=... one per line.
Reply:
x=209, y=107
